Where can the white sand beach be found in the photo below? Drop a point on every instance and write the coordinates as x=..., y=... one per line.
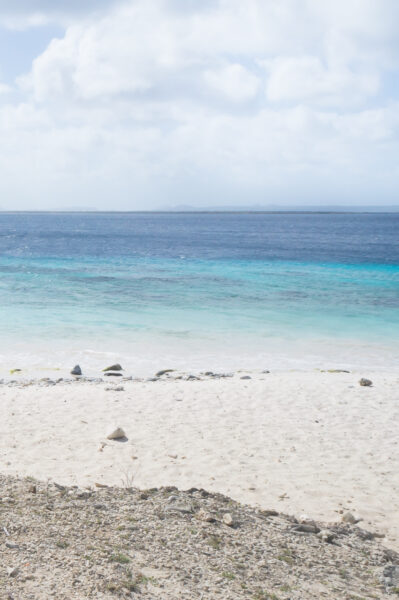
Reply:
x=301, y=442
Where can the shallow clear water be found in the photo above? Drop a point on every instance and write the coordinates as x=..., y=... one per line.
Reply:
x=199, y=290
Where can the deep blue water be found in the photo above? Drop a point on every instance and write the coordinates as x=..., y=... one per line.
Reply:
x=183, y=286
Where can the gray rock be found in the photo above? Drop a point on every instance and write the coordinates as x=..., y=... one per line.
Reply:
x=113, y=374
x=117, y=434
x=365, y=382
x=117, y=388
x=246, y=377
x=306, y=528
x=204, y=515
x=349, y=518
x=390, y=576
x=326, y=536
x=164, y=372
x=115, y=367
x=228, y=520
x=181, y=508
x=76, y=370
x=12, y=571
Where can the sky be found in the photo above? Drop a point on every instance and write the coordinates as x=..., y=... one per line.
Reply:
x=150, y=104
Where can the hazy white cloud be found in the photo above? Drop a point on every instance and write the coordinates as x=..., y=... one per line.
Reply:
x=233, y=82
x=307, y=79
x=152, y=102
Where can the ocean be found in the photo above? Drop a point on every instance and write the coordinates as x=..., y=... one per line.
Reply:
x=199, y=290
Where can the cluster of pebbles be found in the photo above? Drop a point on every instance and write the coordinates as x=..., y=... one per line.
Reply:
x=165, y=374
x=104, y=543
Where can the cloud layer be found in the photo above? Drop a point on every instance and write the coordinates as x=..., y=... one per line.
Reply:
x=158, y=102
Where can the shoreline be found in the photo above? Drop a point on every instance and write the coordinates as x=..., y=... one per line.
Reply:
x=312, y=443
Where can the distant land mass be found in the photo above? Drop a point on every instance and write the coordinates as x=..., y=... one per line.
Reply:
x=186, y=208
x=276, y=208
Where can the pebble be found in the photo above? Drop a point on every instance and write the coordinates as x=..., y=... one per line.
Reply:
x=390, y=576
x=204, y=515
x=326, y=536
x=365, y=382
x=182, y=508
x=306, y=528
x=12, y=571
x=349, y=518
x=76, y=370
x=118, y=388
x=116, y=434
x=228, y=520
x=115, y=367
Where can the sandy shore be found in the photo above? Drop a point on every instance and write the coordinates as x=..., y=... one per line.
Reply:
x=314, y=443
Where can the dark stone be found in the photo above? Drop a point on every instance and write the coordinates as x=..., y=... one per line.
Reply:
x=115, y=367
x=160, y=373
x=365, y=382
x=112, y=374
x=305, y=528
x=76, y=370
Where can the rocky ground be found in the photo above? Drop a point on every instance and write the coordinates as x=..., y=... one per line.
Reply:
x=72, y=543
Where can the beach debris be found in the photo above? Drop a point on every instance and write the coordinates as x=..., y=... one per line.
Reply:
x=349, y=518
x=116, y=434
x=365, y=382
x=12, y=371
x=164, y=372
x=76, y=370
x=115, y=367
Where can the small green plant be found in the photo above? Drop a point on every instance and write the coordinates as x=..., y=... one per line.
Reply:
x=286, y=557
x=62, y=544
x=262, y=595
x=228, y=575
x=120, y=558
x=214, y=542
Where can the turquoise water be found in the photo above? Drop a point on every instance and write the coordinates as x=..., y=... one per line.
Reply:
x=215, y=291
